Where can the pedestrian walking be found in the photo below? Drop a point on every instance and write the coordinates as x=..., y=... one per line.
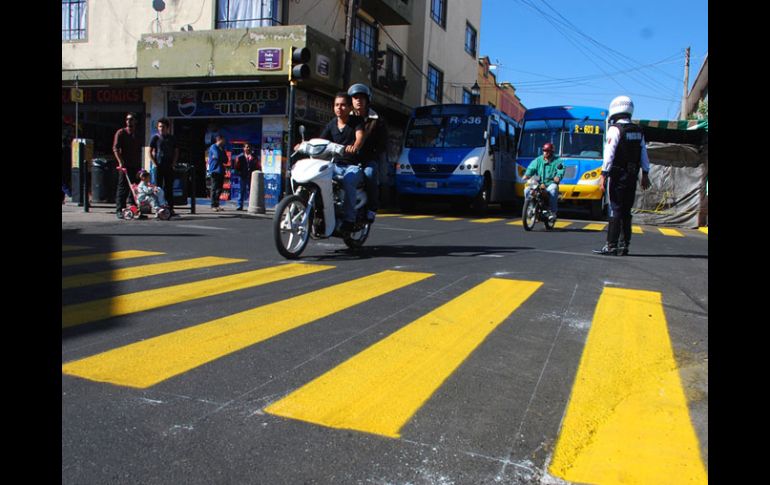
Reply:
x=246, y=163
x=164, y=154
x=624, y=154
x=127, y=148
x=216, y=170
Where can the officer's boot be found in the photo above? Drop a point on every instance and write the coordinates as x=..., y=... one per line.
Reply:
x=613, y=232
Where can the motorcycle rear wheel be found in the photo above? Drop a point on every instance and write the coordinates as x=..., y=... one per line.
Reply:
x=291, y=229
x=529, y=214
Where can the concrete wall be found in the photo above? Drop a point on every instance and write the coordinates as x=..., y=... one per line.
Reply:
x=115, y=27
x=445, y=48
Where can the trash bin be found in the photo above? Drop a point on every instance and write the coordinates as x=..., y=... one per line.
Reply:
x=103, y=182
x=181, y=183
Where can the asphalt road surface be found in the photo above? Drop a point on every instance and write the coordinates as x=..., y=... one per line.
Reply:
x=449, y=350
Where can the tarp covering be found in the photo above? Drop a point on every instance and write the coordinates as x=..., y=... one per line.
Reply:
x=677, y=194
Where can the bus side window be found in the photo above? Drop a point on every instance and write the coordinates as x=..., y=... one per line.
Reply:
x=494, y=136
x=503, y=137
x=513, y=138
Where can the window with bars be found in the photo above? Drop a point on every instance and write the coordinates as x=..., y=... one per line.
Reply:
x=239, y=14
x=438, y=12
x=364, y=38
x=435, y=84
x=470, y=40
x=73, y=19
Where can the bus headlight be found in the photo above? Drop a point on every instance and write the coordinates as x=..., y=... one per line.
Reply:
x=471, y=163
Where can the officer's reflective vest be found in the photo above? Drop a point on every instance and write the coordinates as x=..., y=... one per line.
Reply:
x=628, y=154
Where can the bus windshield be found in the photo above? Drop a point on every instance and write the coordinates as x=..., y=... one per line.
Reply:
x=583, y=139
x=536, y=133
x=446, y=132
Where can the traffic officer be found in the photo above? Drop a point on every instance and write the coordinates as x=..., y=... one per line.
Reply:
x=624, y=153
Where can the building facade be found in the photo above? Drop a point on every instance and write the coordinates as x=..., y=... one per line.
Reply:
x=501, y=96
x=222, y=66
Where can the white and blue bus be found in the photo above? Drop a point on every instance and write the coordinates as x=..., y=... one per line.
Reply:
x=577, y=134
x=461, y=153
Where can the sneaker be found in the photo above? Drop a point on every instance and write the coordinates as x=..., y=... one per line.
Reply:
x=239, y=208
x=119, y=214
x=623, y=250
x=370, y=215
x=606, y=251
x=552, y=218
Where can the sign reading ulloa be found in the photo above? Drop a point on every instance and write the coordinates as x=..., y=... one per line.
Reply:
x=228, y=102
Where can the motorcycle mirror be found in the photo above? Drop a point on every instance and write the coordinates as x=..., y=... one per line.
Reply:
x=302, y=132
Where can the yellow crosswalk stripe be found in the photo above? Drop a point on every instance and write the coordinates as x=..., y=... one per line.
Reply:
x=449, y=218
x=516, y=223
x=151, y=361
x=487, y=220
x=416, y=217
x=104, y=257
x=562, y=225
x=123, y=274
x=67, y=247
x=670, y=232
x=380, y=389
x=595, y=227
x=637, y=229
x=704, y=230
x=81, y=313
x=387, y=215
x=627, y=420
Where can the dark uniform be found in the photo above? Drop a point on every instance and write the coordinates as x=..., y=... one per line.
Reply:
x=625, y=154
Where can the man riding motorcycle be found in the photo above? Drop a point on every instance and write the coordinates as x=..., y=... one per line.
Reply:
x=550, y=170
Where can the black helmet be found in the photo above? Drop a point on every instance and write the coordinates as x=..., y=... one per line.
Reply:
x=359, y=88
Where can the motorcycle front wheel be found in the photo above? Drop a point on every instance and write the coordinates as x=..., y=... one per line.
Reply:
x=357, y=239
x=291, y=228
x=529, y=214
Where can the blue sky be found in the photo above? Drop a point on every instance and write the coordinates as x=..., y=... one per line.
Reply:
x=587, y=52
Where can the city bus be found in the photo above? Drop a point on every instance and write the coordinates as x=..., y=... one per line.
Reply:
x=577, y=134
x=462, y=153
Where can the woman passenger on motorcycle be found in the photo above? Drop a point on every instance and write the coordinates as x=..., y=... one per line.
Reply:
x=550, y=170
x=347, y=130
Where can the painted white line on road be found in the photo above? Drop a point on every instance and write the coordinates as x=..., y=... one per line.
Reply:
x=213, y=228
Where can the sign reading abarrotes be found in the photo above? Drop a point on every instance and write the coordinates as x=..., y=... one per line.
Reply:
x=228, y=102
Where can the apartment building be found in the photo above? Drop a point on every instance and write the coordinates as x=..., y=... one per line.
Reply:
x=501, y=96
x=221, y=66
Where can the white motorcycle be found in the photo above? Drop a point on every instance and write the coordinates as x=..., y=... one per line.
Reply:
x=314, y=209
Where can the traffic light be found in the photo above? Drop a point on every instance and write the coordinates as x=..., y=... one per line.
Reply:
x=299, y=57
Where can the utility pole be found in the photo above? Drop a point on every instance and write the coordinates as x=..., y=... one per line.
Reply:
x=352, y=13
x=682, y=113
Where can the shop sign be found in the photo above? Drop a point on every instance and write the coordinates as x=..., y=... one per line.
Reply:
x=103, y=95
x=226, y=103
x=313, y=108
x=322, y=66
x=269, y=59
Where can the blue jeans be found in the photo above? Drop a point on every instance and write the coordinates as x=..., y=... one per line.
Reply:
x=245, y=188
x=553, y=192
x=351, y=176
x=371, y=171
